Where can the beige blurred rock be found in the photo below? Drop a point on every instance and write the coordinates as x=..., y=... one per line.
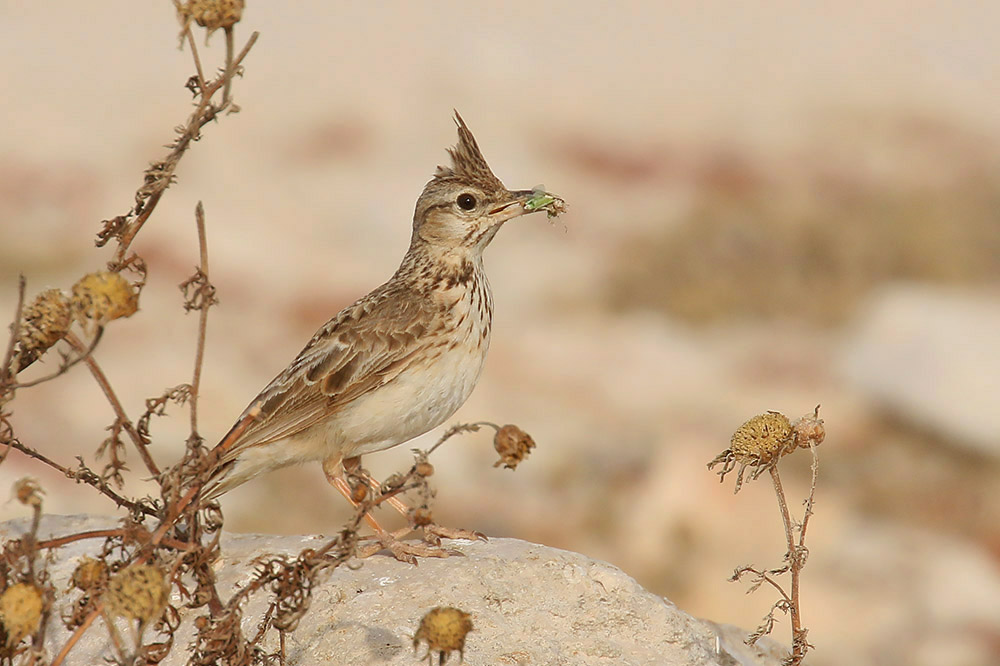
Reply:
x=929, y=355
x=530, y=604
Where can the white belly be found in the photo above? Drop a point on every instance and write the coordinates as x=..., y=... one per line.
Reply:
x=415, y=402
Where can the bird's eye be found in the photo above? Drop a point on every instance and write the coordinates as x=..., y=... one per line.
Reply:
x=466, y=201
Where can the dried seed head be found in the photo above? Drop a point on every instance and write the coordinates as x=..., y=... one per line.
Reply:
x=424, y=469
x=211, y=14
x=100, y=297
x=21, y=608
x=137, y=592
x=762, y=439
x=444, y=630
x=44, y=322
x=359, y=492
x=28, y=492
x=513, y=445
x=90, y=574
x=808, y=430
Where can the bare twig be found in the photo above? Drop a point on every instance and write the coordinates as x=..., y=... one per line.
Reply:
x=15, y=331
x=116, y=405
x=80, y=630
x=160, y=176
x=87, y=476
x=203, y=299
x=67, y=363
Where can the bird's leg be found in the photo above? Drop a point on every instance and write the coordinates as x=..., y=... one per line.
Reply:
x=401, y=550
x=353, y=467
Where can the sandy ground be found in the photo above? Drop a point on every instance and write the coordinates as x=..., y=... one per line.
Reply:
x=643, y=118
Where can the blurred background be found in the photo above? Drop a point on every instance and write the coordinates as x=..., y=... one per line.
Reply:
x=772, y=206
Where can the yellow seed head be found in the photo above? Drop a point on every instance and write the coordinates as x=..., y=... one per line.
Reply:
x=21, y=611
x=44, y=322
x=762, y=439
x=137, y=592
x=100, y=297
x=90, y=574
x=444, y=630
x=513, y=445
x=424, y=469
x=212, y=14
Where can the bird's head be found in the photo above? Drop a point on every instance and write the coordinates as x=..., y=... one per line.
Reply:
x=464, y=205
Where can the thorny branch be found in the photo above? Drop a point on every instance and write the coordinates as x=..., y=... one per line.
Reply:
x=160, y=175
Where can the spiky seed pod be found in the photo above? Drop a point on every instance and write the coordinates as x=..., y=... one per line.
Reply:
x=444, y=630
x=212, y=14
x=90, y=574
x=513, y=445
x=762, y=439
x=44, y=322
x=100, y=297
x=21, y=608
x=137, y=592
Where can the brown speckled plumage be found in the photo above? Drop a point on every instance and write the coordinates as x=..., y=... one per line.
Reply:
x=400, y=360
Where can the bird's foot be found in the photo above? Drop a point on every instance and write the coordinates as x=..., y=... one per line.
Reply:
x=434, y=533
x=404, y=551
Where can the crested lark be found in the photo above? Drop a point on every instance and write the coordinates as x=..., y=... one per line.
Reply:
x=399, y=361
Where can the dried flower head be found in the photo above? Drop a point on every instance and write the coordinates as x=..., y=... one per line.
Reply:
x=137, y=592
x=758, y=443
x=444, y=630
x=809, y=430
x=100, y=297
x=513, y=445
x=424, y=469
x=44, y=322
x=21, y=608
x=28, y=492
x=211, y=14
x=90, y=574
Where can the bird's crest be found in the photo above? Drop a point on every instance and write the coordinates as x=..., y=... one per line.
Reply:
x=467, y=162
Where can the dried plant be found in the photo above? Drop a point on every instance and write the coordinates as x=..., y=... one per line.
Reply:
x=154, y=570
x=759, y=444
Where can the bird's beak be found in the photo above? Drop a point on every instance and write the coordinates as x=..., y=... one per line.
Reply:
x=522, y=202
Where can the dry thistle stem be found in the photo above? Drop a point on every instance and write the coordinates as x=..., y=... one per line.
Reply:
x=100, y=297
x=44, y=322
x=21, y=608
x=137, y=592
x=444, y=630
x=513, y=445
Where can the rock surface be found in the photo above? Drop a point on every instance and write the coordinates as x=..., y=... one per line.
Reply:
x=530, y=605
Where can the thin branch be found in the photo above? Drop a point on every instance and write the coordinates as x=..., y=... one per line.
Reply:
x=230, y=47
x=203, y=114
x=93, y=481
x=15, y=330
x=66, y=365
x=116, y=405
x=74, y=639
x=208, y=294
x=194, y=54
